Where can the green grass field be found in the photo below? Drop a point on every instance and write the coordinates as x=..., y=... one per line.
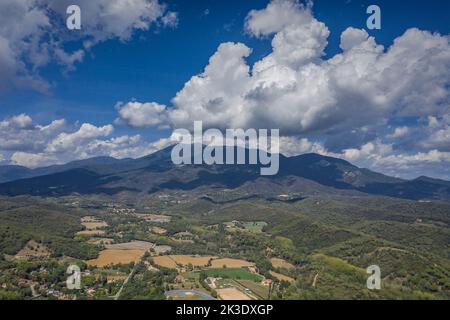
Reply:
x=258, y=289
x=233, y=273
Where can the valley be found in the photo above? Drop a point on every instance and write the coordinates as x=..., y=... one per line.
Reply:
x=315, y=248
x=152, y=230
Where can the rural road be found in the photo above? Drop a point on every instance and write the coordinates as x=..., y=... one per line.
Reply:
x=117, y=296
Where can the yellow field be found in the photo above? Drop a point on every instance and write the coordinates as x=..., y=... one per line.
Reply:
x=281, y=263
x=132, y=245
x=232, y=294
x=281, y=277
x=171, y=261
x=165, y=261
x=196, y=261
x=116, y=256
x=231, y=263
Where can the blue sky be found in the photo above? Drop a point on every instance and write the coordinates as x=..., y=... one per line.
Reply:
x=153, y=64
x=159, y=62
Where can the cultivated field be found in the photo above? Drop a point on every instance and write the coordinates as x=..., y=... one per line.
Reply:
x=231, y=263
x=232, y=294
x=165, y=262
x=172, y=261
x=92, y=223
x=132, y=245
x=233, y=273
x=116, y=256
x=281, y=277
x=281, y=263
x=258, y=289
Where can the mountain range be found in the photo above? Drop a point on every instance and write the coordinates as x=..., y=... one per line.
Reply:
x=307, y=174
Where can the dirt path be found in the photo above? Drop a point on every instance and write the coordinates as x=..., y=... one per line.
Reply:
x=117, y=296
x=33, y=291
x=315, y=280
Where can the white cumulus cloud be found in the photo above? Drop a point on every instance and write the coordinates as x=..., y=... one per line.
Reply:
x=24, y=142
x=296, y=90
x=33, y=33
x=140, y=115
x=345, y=101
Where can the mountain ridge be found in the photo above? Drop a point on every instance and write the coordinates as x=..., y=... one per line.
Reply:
x=15, y=172
x=307, y=173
